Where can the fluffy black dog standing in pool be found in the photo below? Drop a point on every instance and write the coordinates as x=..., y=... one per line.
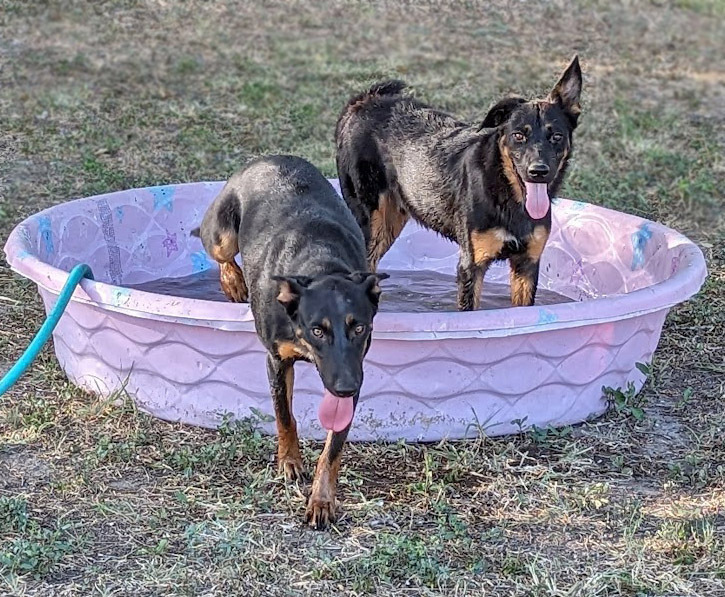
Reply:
x=304, y=273
x=486, y=187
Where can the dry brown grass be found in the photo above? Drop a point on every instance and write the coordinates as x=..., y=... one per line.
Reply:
x=99, y=499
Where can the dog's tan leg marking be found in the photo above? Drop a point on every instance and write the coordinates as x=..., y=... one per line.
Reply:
x=486, y=245
x=232, y=282
x=510, y=172
x=289, y=457
x=537, y=242
x=386, y=224
x=321, y=507
x=524, y=269
x=231, y=276
x=522, y=290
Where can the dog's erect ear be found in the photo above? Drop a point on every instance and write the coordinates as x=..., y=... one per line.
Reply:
x=290, y=291
x=371, y=283
x=568, y=90
x=500, y=112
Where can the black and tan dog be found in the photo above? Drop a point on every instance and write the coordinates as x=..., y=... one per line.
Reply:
x=304, y=274
x=485, y=186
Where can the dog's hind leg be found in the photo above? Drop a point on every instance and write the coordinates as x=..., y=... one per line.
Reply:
x=321, y=505
x=373, y=197
x=281, y=380
x=224, y=250
x=387, y=221
x=360, y=211
x=218, y=233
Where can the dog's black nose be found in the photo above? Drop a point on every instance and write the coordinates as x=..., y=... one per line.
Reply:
x=344, y=388
x=538, y=170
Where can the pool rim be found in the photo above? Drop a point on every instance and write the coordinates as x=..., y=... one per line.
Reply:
x=686, y=281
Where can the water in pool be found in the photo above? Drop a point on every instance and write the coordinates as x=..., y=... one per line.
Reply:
x=411, y=292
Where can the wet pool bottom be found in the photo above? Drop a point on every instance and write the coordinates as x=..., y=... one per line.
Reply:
x=403, y=292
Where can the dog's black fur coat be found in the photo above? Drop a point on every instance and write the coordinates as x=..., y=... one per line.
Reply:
x=399, y=158
x=304, y=273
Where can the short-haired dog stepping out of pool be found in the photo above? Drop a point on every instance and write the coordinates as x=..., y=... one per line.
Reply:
x=486, y=187
x=304, y=273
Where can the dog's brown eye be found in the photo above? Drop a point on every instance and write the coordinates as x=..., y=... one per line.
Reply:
x=317, y=332
x=519, y=137
x=359, y=329
x=556, y=137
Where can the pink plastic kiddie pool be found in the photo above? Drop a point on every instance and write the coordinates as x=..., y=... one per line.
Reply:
x=430, y=373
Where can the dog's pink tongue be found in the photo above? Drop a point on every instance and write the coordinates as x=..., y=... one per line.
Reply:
x=537, y=199
x=335, y=413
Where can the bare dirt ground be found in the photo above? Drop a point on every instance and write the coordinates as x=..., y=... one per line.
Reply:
x=99, y=499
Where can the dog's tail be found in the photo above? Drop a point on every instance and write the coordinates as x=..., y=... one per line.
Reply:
x=391, y=87
x=388, y=88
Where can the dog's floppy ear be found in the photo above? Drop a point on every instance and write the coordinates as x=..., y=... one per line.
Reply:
x=290, y=291
x=568, y=90
x=371, y=283
x=500, y=112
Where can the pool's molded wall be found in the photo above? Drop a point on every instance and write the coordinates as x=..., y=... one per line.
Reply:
x=427, y=376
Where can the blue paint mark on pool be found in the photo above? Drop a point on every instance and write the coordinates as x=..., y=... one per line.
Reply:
x=546, y=317
x=163, y=197
x=639, y=242
x=199, y=262
x=46, y=234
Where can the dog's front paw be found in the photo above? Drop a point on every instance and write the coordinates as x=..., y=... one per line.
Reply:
x=292, y=468
x=320, y=512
